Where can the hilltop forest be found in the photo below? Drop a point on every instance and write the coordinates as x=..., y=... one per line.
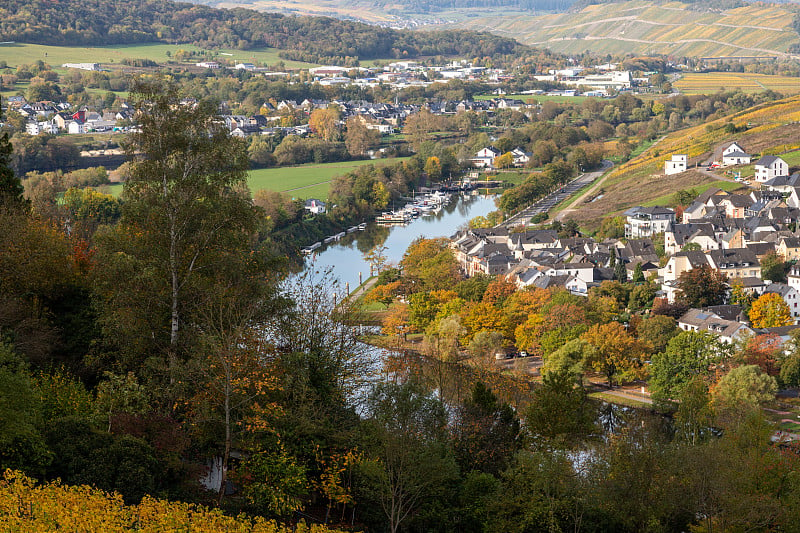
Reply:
x=315, y=39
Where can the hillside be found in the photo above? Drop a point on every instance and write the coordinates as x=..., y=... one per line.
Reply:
x=311, y=39
x=643, y=27
x=774, y=128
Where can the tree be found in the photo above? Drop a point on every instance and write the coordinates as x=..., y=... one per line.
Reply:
x=770, y=311
x=187, y=218
x=10, y=185
x=505, y=160
x=616, y=352
x=612, y=228
x=358, y=138
x=325, y=123
x=688, y=355
x=657, y=331
x=408, y=444
x=485, y=432
x=744, y=386
x=702, y=286
x=572, y=359
x=560, y=413
x=433, y=168
x=773, y=267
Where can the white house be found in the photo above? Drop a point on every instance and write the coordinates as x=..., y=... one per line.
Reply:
x=678, y=163
x=647, y=221
x=521, y=157
x=315, y=206
x=735, y=155
x=485, y=157
x=770, y=166
x=208, y=64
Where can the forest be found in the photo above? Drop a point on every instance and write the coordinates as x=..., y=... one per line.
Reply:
x=316, y=39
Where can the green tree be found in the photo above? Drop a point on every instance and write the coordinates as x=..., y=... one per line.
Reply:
x=688, y=355
x=560, y=414
x=187, y=218
x=657, y=330
x=744, y=386
x=486, y=432
x=10, y=185
x=773, y=267
x=411, y=461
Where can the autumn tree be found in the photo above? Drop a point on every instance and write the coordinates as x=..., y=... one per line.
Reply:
x=505, y=160
x=325, y=123
x=702, y=286
x=429, y=264
x=617, y=353
x=770, y=311
x=433, y=168
x=358, y=138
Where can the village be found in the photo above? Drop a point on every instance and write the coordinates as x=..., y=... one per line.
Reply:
x=59, y=117
x=734, y=233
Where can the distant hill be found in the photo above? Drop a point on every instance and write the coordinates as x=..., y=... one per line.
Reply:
x=313, y=39
x=698, y=29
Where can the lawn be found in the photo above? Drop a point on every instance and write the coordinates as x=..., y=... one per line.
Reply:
x=711, y=82
x=302, y=181
x=306, y=181
x=18, y=53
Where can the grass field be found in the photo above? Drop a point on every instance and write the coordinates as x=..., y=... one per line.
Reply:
x=302, y=181
x=18, y=53
x=711, y=82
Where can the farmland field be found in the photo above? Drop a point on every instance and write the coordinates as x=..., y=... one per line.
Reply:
x=302, y=181
x=18, y=53
x=711, y=82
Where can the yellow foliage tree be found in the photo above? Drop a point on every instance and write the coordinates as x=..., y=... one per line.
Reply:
x=770, y=311
x=28, y=506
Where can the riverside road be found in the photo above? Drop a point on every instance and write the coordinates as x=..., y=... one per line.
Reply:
x=554, y=198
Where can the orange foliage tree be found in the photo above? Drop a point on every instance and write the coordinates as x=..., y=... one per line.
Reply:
x=617, y=352
x=770, y=311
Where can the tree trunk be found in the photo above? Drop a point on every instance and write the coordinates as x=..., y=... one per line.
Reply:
x=227, y=453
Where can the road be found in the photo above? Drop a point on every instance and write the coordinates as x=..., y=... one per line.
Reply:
x=548, y=202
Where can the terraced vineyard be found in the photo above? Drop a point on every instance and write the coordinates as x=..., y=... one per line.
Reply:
x=642, y=27
x=710, y=82
x=774, y=129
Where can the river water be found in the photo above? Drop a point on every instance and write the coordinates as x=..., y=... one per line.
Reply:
x=345, y=258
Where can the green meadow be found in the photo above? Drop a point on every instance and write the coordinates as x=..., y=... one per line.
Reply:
x=301, y=181
x=18, y=53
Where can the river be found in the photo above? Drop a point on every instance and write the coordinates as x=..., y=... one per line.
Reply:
x=345, y=258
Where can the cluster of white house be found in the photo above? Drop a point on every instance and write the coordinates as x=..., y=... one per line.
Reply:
x=59, y=117
x=731, y=154
x=730, y=233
